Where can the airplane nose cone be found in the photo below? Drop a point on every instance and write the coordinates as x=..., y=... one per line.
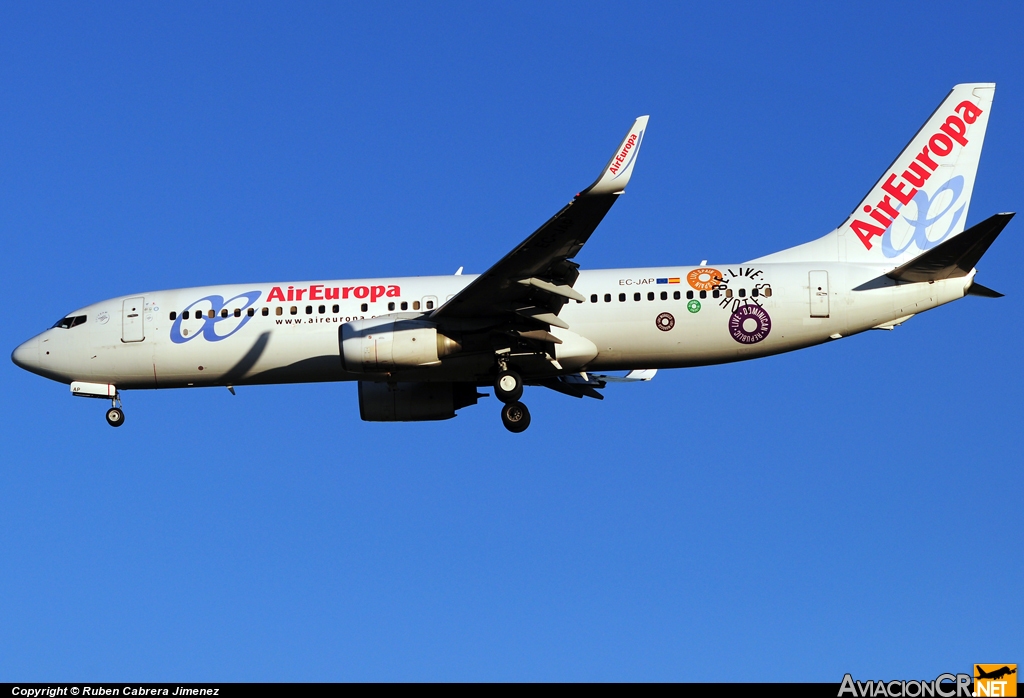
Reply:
x=27, y=355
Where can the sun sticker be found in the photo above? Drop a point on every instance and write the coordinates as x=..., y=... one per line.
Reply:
x=704, y=278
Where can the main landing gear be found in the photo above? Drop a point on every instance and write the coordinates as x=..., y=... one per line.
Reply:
x=515, y=417
x=508, y=387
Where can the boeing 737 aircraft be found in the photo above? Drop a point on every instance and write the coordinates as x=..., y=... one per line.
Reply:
x=421, y=347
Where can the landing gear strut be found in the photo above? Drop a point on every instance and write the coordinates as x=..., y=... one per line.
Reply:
x=115, y=416
x=515, y=417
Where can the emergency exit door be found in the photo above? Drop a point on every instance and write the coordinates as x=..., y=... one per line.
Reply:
x=819, y=293
x=132, y=329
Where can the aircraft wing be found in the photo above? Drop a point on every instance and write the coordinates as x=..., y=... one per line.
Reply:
x=532, y=282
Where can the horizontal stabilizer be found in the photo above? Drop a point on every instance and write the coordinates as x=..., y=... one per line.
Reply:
x=574, y=389
x=638, y=376
x=977, y=289
x=956, y=256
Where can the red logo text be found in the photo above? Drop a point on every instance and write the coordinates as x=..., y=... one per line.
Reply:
x=902, y=188
x=319, y=292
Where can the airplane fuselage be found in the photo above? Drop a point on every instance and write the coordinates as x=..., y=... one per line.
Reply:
x=660, y=317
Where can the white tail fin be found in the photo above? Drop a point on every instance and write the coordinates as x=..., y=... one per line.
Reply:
x=922, y=198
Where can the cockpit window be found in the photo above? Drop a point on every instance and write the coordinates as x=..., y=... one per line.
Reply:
x=66, y=323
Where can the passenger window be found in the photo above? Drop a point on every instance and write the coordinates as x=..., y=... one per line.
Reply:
x=754, y=293
x=238, y=312
x=335, y=308
x=405, y=305
x=703, y=295
x=278, y=310
x=607, y=298
x=210, y=314
x=293, y=310
x=728, y=293
x=650, y=295
x=664, y=295
x=415, y=305
x=223, y=312
x=716, y=293
x=768, y=291
x=364, y=307
x=622, y=297
x=391, y=305
x=173, y=315
x=689, y=295
x=593, y=298
x=636, y=296
x=430, y=305
x=250, y=312
x=675, y=295
x=322, y=309
x=743, y=293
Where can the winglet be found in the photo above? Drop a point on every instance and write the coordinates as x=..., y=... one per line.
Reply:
x=620, y=168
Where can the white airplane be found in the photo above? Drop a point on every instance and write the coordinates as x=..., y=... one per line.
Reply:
x=421, y=347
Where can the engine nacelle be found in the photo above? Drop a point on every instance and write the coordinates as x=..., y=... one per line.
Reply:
x=413, y=402
x=386, y=343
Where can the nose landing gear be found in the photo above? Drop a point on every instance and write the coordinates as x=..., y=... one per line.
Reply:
x=115, y=417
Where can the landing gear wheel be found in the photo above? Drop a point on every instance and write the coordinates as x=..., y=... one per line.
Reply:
x=115, y=417
x=508, y=387
x=515, y=417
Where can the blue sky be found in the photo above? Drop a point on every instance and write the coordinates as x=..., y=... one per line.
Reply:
x=844, y=508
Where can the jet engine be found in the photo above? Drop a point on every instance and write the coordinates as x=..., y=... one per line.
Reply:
x=387, y=343
x=413, y=402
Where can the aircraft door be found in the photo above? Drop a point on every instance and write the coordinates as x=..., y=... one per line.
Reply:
x=819, y=293
x=132, y=328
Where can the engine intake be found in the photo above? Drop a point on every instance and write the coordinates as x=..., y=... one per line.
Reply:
x=386, y=343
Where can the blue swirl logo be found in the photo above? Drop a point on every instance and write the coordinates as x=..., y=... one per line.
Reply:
x=924, y=220
x=210, y=321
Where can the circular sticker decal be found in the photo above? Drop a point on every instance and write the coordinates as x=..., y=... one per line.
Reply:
x=665, y=322
x=704, y=278
x=749, y=324
x=103, y=318
x=693, y=306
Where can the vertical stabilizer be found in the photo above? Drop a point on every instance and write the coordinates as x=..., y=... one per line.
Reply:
x=923, y=197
